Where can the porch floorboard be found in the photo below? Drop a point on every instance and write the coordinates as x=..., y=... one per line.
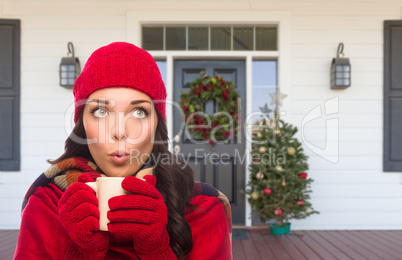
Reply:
x=315, y=244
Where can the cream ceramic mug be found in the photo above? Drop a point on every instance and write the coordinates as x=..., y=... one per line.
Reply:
x=106, y=188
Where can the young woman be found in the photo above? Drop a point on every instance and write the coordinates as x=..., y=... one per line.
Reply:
x=120, y=131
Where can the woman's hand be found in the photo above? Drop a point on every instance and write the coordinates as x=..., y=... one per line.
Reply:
x=141, y=215
x=79, y=213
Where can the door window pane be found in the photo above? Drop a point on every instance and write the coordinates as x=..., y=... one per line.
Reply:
x=261, y=97
x=264, y=73
x=175, y=38
x=198, y=38
x=243, y=38
x=264, y=77
x=266, y=39
x=152, y=38
x=163, y=70
x=220, y=38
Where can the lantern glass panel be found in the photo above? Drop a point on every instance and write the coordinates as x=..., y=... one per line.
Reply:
x=71, y=81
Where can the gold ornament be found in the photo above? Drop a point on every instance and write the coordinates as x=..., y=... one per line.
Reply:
x=277, y=131
x=308, y=210
x=254, y=195
x=259, y=175
x=262, y=149
x=284, y=183
x=278, y=168
x=259, y=135
x=291, y=151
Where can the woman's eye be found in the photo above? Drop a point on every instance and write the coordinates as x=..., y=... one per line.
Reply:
x=139, y=113
x=100, y=112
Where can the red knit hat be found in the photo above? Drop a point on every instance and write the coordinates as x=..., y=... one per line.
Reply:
x=120, y=64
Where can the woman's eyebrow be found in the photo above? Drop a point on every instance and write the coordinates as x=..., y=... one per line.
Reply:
x=134, y=102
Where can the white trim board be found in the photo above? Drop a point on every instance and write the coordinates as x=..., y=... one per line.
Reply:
x=135, y=19
x=1, y=15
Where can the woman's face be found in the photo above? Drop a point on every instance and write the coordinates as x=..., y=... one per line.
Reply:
x=119, y=120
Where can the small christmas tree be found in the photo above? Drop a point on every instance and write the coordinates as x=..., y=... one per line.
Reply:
x=278, y=185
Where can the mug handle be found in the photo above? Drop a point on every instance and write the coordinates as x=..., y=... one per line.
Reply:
x=140, y=175
x=93, y=186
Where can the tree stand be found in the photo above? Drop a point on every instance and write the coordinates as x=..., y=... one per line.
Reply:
x=280, y=231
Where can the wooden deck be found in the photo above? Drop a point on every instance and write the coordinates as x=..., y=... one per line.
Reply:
x=373, y=244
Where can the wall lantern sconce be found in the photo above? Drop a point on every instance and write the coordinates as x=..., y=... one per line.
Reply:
x=70, y=68
x=340, y=71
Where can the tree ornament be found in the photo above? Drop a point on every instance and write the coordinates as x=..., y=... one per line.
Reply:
x=308, y=210
x=254, y=195
x=278, y=168
x=265, y=110
x=259, y=135
x=262, y=149
x=300, y=202
x=283, y=183
x=291, y=151
x=259, y=176
x=267, y=191
x=277, y=131
x=277, y=97
x=303, y=175
x=278, y=212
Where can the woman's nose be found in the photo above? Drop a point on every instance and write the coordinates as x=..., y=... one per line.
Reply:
x=119, y=131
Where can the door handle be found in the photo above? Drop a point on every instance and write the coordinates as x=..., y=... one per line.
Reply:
x=176, y=149
x=177, y=138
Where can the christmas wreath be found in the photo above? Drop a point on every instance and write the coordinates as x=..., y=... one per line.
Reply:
x=219, y=127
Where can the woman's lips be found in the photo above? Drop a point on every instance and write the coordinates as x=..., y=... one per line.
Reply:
x=119, y=159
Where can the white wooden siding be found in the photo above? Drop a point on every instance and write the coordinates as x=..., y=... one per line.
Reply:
x=353, y=193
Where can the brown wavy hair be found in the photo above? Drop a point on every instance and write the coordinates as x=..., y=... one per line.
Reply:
x=175, y=181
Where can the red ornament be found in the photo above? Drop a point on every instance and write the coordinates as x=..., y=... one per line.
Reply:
x=300, y=202
x=278, y=212
x=267, y=191
x=303, y=175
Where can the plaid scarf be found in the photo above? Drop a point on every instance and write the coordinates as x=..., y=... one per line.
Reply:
x=65, y=173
